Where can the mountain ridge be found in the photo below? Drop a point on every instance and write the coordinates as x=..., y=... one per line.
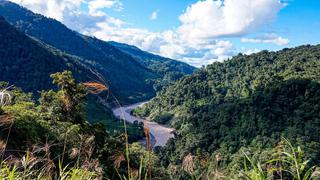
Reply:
x=247, y=101
x=19, y=51
x=127, y=77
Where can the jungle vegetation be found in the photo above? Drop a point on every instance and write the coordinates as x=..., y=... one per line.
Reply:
x=247, y=101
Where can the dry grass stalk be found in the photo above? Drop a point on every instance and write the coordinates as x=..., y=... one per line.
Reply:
x=74, y=153
x=3, y=146
x=95, y=87
x=84, y=154
x=149, y=148
x=135, y=173
x=148, y=140
x=6, y=120
x=316, y=174
x=188, y=163
x=37, y=164
x=218, y=157
x=5, y=98
x=216, y=175
x=118, y=158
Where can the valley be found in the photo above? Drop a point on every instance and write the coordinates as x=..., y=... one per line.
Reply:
x=160, y=134
x=85, y=94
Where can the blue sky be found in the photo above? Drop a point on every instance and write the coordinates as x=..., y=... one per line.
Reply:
x=138, y=12
x=198, y=32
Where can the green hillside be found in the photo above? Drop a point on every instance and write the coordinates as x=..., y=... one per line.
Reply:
x=169, y=69
x=246, y=101
x=28, y=63
x=127, y=77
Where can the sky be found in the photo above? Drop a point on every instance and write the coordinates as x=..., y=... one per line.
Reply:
x=197, y=32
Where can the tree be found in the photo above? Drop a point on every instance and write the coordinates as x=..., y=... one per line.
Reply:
x=71, y=94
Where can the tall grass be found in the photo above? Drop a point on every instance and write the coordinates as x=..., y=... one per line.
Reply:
x=144, y=170
x=31, y=166
x=288, y=164
x=37, y=163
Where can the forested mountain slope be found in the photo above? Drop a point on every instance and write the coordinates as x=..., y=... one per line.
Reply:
x=170, y=69
x=28, y=63
x=127, y=76
x=247, y=100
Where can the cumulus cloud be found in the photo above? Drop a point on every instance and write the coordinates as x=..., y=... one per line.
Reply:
x=167, y=43
x=64, y=10
x=225, y=18
x=194, y=41
x=57, y=9
x=267, y=38
x=95, y=6
x=249, y=51
x=154, y=15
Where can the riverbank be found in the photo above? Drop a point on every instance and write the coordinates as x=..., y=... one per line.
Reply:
x=159, y=133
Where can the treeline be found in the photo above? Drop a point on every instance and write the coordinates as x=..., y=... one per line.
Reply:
x=131, y=76
x=51, y=138
x=246, y=101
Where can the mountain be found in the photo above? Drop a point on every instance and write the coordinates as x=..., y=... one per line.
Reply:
x=153, y=61
x=129, y=79
x=28, y=63
x=246, y=101
x=124, y=75
x=171, y=70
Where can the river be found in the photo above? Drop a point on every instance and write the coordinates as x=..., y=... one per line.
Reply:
x=159, y=133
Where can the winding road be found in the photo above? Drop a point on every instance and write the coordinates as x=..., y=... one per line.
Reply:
x=159, y=133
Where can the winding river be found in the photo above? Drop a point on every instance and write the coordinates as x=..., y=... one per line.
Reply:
x=159, y=133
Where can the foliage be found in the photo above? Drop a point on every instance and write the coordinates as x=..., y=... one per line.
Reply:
x=289, y=163
x=170, y=70
x=71, y=95
x=27, y=60
x=34, y=166
x=129, y=77
x=97, y=113
x=55, y=130
x=143, y=164
x=27, y=63
x=247, y=99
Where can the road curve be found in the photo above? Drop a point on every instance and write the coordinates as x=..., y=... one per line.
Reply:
x=159, y=133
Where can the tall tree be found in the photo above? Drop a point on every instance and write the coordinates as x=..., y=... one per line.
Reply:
x=72, y=96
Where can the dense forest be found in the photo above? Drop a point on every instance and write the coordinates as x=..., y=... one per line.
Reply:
x=252, y=117
x=226, y=138
x=28, y=63
x=36, y=46
x=170, y=70
x=51, y=139
x=247, y=101
x=128, y=77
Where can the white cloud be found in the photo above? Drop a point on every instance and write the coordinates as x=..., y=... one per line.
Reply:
x=57, y=9
x=211, y=19
x=267, y=38
x=249, y=51
x=95, y=22
x=194, y=41
x=95, y=6
x=154, y=15
x=64, y=10
x=167, y=44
